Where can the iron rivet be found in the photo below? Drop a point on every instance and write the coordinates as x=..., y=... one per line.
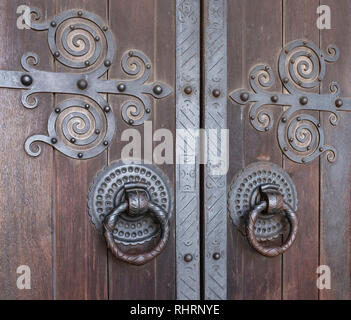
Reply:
x=57, y=110
x=130, y=53
x=291, y=139
x=292, y=61
x=318, y=125
x=131, y=121
x=216, y=93
x=252, y=117
x=107, y=109
x=286, y=149
x=274, y=99
x=107, y=63
x=148, y=66
x=97, y=38
x=298, y=119
x=121, y=87
x=87, y=106
x=188, y=90
x=148, y=110
x=80, y=13
x=57, y=54
x=338, y=103
x=157, y=89
x=266, y=129
x=303, y=100
x=321, y=149
x=266, y=68
x=87, y=63
x=216, y=256
x=26, y=80
x=72, y=27
x=304, y=42
x=54, y=140
x=285, y=80
x=284, y=119
x=82, y=84
x=286, y=51
x=53, y=24
x=80, y=155
x=308, y=148
x=105, y=143
x=188, y=257
x=253, y=77
x=303, y=160
x=73, y=140
x=299, y=82
x=244, y=96
x=97, y=131
x=105, y=28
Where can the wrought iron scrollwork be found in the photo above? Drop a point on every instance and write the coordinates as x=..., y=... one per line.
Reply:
x=301, y=67
x=83, y=128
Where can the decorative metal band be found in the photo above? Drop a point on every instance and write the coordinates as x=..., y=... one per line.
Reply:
x=83, y=128
x=301, y=67
x=215, y=118
x=187, y=173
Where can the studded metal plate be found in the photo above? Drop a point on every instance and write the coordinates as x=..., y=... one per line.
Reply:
x=129, y=230
x=243, y=195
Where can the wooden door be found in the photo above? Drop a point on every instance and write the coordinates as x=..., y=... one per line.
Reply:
x=116, y=79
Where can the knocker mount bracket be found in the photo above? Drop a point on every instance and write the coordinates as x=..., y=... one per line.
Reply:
x=83, y=127
x=301, y=67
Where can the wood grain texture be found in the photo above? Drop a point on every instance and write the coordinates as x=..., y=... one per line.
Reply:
x=25, y=182
x=81, y=254
x=335, y=232
x=253, y=276
x=299, y=279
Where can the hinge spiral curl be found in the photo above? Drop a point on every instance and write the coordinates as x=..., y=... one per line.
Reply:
x=83, y=128
x=301, y=67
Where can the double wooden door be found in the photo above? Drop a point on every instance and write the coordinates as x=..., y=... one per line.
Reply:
x=229, y=106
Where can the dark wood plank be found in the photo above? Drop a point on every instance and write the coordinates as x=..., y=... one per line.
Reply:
x=253, y=276
x=81, y=255
x=25, y=182
x=335, y=233
x=133, y=24
x=299, y=281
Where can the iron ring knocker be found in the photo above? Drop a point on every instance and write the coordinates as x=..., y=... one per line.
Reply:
x=136, y=202
x=272, y=203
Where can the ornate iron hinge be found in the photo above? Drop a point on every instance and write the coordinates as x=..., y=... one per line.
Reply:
x=301, y=66
x=83, y=128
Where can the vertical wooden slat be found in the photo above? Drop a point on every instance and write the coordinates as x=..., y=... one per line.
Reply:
x=81, y=258
x=335, y=232
x=253, y=276
x=133, y=24
x=25, y=182
x=299, y=279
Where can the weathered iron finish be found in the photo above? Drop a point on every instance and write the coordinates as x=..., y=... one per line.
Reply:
x=245, y=193
x=262, y=202
x=301, y=67
x=187, y=167
x=215, y=118
x=81, y=40
x=105, y=195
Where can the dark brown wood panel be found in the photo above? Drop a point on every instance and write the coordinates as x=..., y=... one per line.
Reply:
x=335, y=232
x=25, y=183
x=299, y=279
x=260, y=24
x=81, y=254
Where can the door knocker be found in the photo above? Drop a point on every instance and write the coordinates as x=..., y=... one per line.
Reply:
x=131, y=205
x=262, y=203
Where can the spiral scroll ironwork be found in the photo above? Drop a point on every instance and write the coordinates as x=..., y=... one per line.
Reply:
x=81, y=41
x=301, y=67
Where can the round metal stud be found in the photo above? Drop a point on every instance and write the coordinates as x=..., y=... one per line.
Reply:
x=82, y=84
x=107, y=109
x=97, y=131
x=80, y=155
x=73, y=140
x=107, y=63
x=57, y=110
x=53, y=140
x=274, y=99
x=87, y=106
x=216, y=93
x=121, y=87
x=131, y=121
x=105, y=143
x=303, y=100
x=26, y=80
x=188, y=90
x=53, y=24
x=284, y=119
x=339, y=103
x=216, y=256
x=80, y=13
x=148, y=110
x=188, y=257
x=97, y=38
x=286, y=80
x=57, y=54
x=157, y=89
x=105, y=28
x=87, y=63
x=244, y=96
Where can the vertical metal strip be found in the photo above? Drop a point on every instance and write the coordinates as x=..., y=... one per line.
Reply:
x=215, y=117
x=187, y=173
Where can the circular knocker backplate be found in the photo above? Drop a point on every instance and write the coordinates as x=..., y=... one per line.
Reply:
x=129, y=230
x=244, y=194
